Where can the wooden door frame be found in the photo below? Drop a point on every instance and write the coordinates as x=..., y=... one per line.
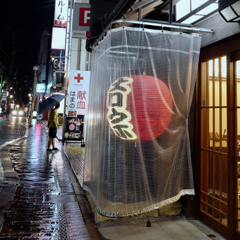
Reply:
x=227, y=47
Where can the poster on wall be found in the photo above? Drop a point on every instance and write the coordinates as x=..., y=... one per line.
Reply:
x=74, y=128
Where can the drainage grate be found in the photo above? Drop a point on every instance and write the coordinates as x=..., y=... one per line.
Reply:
x=62, y=222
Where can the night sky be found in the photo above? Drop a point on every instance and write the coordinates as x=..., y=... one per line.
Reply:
x=22, y=25
x=25, y=19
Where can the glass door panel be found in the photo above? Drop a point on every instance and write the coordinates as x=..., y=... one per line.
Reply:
x=214, y=169
x=237, y=101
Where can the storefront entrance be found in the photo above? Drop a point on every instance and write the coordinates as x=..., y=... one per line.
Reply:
x=218, y=98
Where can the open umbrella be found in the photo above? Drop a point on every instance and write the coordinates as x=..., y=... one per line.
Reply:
x=50, y=102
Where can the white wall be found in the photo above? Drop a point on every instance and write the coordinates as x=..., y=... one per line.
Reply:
x=79, y=55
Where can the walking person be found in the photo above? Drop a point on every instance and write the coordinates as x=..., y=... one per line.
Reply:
x=52, y=125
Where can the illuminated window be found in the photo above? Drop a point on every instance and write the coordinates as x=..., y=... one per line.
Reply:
x=224, y=66
x=210, y=67
x=238, y=70
x=216, y=67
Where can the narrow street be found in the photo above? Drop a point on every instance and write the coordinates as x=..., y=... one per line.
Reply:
x=11, y=129
x=38, y=200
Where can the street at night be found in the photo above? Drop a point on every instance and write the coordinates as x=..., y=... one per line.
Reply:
x=36, y=191
x=120, y=120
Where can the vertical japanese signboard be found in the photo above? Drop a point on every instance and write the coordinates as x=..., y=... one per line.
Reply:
x=81, y=20
x=78, y=92
x=61, y=11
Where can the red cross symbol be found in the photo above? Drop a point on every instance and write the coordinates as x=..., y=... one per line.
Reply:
x=78, y=78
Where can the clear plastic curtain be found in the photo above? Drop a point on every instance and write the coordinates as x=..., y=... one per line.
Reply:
x=137, y=154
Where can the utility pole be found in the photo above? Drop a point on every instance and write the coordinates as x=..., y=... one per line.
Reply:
x=33, y=97
x=69, y=32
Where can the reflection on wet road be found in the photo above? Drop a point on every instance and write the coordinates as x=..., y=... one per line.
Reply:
x=38, y=200
x=12, y=128
x=28, y=217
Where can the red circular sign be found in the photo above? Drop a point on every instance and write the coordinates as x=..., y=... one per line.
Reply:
x=138, y=107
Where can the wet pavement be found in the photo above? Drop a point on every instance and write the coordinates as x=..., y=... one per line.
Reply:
x=12, y=128
x=39, y=197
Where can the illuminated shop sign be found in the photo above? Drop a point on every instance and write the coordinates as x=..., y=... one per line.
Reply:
x=40, y=88
x=81, y=20
x=60, y=14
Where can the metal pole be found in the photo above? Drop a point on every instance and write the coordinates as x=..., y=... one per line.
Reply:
x=67, y=71
x=37, y=105
x=33, y=97
x=156, y=23
x=170, y=11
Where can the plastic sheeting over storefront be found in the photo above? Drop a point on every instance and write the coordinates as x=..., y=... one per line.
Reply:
x=137, y=155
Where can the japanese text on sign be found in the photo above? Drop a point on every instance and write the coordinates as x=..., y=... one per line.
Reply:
x=118, y=116
x=61, y=7
x=72, y=100
x=78, y=91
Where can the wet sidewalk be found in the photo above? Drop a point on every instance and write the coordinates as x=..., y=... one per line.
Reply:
x=40, y=198
x=166, y=228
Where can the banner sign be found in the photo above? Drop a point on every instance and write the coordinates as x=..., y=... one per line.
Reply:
x=81, y=20
x=78, y=92
x=61, y=11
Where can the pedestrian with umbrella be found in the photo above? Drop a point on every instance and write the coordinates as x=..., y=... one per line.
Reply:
x=52, y=125
x=53, y=102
